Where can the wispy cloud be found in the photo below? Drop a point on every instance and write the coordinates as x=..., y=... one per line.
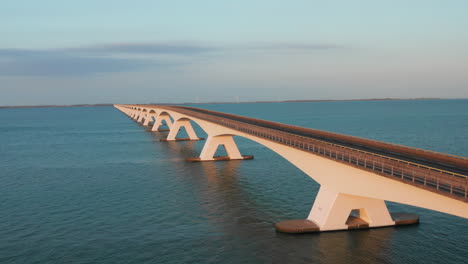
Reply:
x=148, y=48
x=294, y=47
x=193, y=49
x=28, y=53
x=70, y=65
x=124, y=57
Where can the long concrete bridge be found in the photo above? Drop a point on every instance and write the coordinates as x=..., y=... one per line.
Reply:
x=356, y=175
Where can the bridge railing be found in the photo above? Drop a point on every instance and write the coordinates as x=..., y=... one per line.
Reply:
x=440, y=181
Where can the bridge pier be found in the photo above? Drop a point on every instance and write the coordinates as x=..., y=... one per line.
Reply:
x=212, y=144
x=178, y=124
x=137, y=115
x=331, y=210
x=338, y=211
x=148, y=119
x=159, y=119
x=141, y=117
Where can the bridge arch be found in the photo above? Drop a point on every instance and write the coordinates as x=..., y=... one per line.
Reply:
x=215, y=131
x=142, y=115
x=161, y=117
x=186, y=120
x=151, y=115
x=167, y=114
x=180, y=121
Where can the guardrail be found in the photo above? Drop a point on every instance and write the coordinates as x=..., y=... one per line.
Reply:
x=447, y=183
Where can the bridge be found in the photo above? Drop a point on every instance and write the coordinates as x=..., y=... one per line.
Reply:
x=356, y=175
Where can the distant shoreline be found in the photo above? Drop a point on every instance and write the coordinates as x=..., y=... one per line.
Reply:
x=48, y=106
x=329, y=100
x=248, y=102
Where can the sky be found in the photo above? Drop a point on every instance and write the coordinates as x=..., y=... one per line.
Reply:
x=98, y=51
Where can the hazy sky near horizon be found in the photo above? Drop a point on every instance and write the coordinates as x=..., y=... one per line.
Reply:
x=89, y=51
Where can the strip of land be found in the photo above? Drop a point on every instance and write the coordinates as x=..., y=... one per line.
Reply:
x=45, y=106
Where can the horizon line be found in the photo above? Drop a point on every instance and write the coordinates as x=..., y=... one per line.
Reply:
x=243, y=102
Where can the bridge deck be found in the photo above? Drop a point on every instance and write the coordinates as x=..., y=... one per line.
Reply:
x=449, y=162
x=438, y=172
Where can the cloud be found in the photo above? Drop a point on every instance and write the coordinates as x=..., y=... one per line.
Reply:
x=123, y=57
x=70, y=66
x=27, y=54
x=295, y=47
x=17, y=62
x=148, y=48
x=193, y=49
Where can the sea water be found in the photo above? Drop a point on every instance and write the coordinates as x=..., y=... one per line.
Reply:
x=90, y=185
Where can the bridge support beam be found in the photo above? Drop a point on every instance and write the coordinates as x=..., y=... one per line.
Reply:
x=141, y=117
x=212, y=144
x=148, y=119
x=178, y=124
x=159, y=121
x=331, y=211
x=338, y=211
x=137, y=115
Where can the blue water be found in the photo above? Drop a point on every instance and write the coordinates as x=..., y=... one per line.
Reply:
x=89, y=185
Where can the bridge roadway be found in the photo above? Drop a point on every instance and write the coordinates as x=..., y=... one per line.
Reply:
x=451, y=163
x=437, y=172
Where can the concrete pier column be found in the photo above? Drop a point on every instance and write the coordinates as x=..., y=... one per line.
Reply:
x=212, y=144
x=336, y=211
x=159, y=119
x=137, y=115
x=178, y=124
x=148, y=119
x=141, y=117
